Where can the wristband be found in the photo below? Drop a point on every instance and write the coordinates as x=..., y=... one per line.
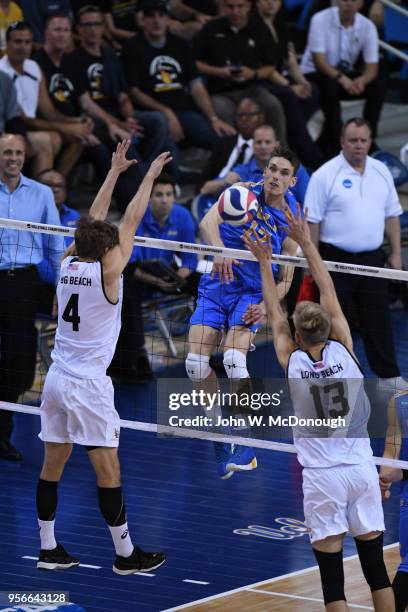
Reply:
x=404, y=474
x=338, y=76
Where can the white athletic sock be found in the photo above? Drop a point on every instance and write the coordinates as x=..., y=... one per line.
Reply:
x=47, y=535
x=121, y=540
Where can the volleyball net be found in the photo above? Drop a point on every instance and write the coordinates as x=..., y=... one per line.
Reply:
x=257, y=412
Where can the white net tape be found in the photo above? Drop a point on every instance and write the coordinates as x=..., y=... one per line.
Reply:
x=203, y=249
x=181, y=432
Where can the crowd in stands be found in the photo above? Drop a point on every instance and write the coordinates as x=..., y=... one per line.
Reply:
x=226, y=76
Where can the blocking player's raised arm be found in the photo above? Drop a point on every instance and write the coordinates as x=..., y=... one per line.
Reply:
x=116, y=259
x=100, y=205
x=298, y=230
x=282, y=338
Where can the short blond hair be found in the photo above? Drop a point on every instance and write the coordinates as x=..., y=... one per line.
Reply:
x=312, y=322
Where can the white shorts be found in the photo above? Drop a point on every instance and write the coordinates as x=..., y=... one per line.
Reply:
x=342, y=498
x=77, y=410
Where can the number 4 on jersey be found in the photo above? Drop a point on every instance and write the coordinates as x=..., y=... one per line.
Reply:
x=71, y=314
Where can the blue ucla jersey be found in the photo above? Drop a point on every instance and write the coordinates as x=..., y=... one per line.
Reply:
x=267, y=222
x=401, y=407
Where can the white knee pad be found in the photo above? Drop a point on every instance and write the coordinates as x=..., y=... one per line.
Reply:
x=235, y=364
x=198, y=366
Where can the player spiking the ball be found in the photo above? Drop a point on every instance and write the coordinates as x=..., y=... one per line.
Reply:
x=340, y=481
x=78, y=400
x=230, y=298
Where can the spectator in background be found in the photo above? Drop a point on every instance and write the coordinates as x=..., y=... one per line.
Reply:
x=120, y=20
x=167, y=220
x=26, y=76
x=189, y=17
x=337, y=37
x=99, y=81
x=351, y=201
x=164, y=78
x=297, y=95
x=237, y=148
x=39, y=114
x=36, y=13
x=10, y=112
x=24, y=199
x=68, y=216
x=9, y=13
x=234, y=53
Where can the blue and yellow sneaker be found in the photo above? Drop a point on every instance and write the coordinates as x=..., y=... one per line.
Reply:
x=242, y=460
x=223, y=455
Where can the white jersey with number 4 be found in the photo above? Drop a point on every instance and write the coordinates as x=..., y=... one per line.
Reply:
x=329, y=388
x=88, y=323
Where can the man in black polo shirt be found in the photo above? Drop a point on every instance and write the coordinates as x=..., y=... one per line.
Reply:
x=233, y=53
x=160, y=70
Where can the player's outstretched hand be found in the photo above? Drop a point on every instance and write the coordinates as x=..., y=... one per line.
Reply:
x=254, y=314
x=298, y=228
x=222, y=269
x=158, y=164
x=119, y=161
x=386, y=477
x=261, y=249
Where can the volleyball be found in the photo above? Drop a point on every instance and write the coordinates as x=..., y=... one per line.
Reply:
x=237, y=205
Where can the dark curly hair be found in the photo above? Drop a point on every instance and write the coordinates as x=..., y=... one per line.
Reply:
x=93, y=238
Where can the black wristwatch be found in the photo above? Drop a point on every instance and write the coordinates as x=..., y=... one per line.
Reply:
x=338, y=76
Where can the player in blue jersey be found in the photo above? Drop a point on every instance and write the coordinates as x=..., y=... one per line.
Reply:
x=230, y=298
x=396, y=447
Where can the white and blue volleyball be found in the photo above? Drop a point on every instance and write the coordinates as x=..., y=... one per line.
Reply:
x=237, y=205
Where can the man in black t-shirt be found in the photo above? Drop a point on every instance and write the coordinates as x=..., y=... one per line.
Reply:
x=234, y=54
x=102, y=93
x=161, y=73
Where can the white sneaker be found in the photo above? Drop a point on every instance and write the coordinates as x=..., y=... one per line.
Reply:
x=394, y=384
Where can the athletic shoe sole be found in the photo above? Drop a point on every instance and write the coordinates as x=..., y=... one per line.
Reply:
x=234, y=467
x=55, y=566
x=136, y=571
x=227, y=475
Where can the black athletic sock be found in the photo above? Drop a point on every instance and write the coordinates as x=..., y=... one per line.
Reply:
x=400, y=588
x=112, y=505
x=47, y=499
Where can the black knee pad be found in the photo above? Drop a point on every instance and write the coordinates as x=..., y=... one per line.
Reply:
x=331, y=574
x=112, y=505
x=371, y=557
x=400, y=588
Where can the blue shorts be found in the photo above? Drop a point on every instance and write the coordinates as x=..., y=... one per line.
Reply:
x=403, y=529
x=222, y=305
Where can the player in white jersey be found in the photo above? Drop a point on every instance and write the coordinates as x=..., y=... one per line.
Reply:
x=78, y=402
x=340, y=482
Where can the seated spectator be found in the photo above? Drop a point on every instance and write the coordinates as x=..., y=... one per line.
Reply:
x=234, y=53
x=297, y=95
x=336, y=39
x=68, y=217
x=170, y=221
x=189, y=16
x=37, y=13
x=10, y=12
x=48, y=129
x=264, y=143
x=237, y=148
x=10, y=112
x=120, y=20
x=97, y=74
x=163, y=74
